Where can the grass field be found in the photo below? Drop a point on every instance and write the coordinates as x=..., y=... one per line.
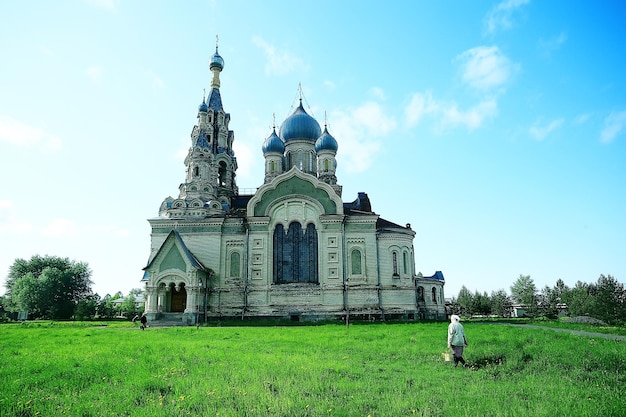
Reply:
x=63, y=369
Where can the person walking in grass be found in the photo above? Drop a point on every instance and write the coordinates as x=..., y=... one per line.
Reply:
x=456, y=339
x=144, y=321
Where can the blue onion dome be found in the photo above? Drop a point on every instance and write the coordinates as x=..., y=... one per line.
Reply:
x=203, y=107
x=216, y=61
x=326, y=142
x=273, y=144
x=300, y=126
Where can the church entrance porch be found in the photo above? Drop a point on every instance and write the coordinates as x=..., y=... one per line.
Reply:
x=172, y=298
x=178, y=300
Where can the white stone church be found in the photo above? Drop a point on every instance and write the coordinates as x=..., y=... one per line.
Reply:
x=293, y=249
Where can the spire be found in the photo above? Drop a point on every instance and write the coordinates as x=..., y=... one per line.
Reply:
x=216, y=65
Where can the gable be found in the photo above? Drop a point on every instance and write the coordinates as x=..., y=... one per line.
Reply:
x=174, y=254
x=173, y=260
x=296, y=183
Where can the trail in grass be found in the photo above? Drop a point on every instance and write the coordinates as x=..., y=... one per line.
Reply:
x=572, y=331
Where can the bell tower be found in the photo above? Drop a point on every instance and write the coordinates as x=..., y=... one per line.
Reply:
x=210, y=164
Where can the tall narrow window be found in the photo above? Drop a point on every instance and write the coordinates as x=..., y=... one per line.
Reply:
x=196, y=171
x=325, y=164
x=434, y=291
x=356, y=262
x=272, y=166
x=405, y=263
x=394, y=257
x=420, y=293
x=235, y=269
x=222, y=173
x=295, y=254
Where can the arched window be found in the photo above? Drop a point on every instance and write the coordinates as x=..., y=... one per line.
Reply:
x=196, y=171
x=222, y=174
x=325, y=164
x=295, y=254
x=272, y=166
x=356, y=262
x=405, y=263
x=420, y=293
x=235, y=265
x=394, y=256
x=434, y=291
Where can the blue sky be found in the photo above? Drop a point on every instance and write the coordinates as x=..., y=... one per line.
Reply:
x=496, y=129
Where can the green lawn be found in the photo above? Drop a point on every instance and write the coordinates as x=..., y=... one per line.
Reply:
x=329, y=370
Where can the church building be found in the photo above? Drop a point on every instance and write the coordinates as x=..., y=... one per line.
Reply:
x=292, y=250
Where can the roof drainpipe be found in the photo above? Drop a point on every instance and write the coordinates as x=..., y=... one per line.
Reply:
x=245, y=271
x=345, y=278
x=380, y=284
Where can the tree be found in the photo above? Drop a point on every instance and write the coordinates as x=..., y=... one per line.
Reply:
x=464, y=300
x=549, y=302
x=106, y=309
x=561, y=289
x=579, y=299
x=608, y=303
x=500, y=303
x=87, y=307
x=524, y=291
x=481, y=304
x=136, y=292
x=48, y=286
x=128, y=307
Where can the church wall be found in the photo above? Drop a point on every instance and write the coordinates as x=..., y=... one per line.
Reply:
x=360, y=236
x=227, y=296
x=355, y=264
x=402, y=245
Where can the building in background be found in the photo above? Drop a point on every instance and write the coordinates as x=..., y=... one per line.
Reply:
x=293, y=249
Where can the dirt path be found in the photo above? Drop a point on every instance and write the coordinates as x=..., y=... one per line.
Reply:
x=576, y=332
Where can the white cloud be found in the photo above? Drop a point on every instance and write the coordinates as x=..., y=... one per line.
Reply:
x=472, y=118
x=248, y=151
x=60, y=228
x=95, y=73
x=447, y=115
x=9, y=223
x=17, y=133
x=358, y=132
x=581, y=118
x=378, y=93
x=614, y=125
x=279, y=62
x=485, y=68
x=540, y=132
x=500, y=18
x=421, y=104
x=329, y=85
x=371, y=116
x=550, y=45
